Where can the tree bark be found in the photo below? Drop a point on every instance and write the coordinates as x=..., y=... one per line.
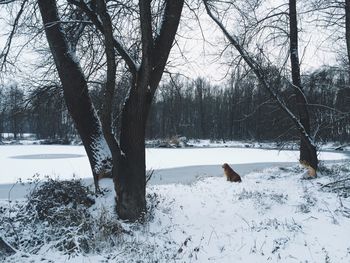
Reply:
x=347, y=32
x=308, y=154
x=343, y=94
x=75, y=91
x=130, y=174
x=130, y=177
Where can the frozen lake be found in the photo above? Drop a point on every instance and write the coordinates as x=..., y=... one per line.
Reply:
x=23, y=161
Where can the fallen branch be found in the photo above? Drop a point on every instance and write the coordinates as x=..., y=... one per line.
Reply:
x=332, y=183
x=5, y=249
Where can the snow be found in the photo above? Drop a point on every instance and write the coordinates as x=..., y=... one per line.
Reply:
x=101, y=150
x=272, y=216
x=13, y=168
x=259, y=220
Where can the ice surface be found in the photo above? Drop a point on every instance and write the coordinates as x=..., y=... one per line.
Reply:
x=13, y=168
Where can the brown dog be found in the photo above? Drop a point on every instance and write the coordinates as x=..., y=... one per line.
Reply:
x=231, y=175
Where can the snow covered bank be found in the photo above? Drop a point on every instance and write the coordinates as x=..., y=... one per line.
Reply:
x=272, y=216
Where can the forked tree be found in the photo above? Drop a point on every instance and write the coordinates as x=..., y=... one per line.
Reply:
x=127, y=150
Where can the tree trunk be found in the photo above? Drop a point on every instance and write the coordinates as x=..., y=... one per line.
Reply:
x=130, y=175
x=130, y=172
x=343, y=94
x=129, y=159
x=75, y=91
x=347, y=32
x=308, y=154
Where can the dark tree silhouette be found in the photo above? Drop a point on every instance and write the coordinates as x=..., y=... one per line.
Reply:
x=308, y=154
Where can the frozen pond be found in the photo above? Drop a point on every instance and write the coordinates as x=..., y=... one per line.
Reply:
x=47, y=156
x=23, y=161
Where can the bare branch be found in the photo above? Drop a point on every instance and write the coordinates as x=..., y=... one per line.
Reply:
x=164, y=40
x=117, y=44
x=259, y=73
x=5, y=2
x=146, y=36
x=110, y=84
x=6, y=50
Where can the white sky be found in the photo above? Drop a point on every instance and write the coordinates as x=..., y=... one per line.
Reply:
x=200, y=49
x=315, y=49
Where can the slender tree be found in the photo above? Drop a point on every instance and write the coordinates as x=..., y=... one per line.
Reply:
x=343, y=98
x=261, y=75
x=308, y=154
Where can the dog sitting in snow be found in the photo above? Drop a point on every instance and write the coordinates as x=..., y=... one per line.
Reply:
x=231, y=175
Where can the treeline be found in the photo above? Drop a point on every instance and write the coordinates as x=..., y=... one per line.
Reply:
x=243, y=110
x=237, y=110
x=40, y=111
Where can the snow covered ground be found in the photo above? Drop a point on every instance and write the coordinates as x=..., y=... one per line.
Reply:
x=272, y=216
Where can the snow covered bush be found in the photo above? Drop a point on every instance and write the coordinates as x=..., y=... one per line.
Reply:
x=67, y=218
x=59, y=215
x=60, y=202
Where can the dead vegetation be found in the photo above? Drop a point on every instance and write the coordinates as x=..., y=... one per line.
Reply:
x=340, y=175
x=58, y=214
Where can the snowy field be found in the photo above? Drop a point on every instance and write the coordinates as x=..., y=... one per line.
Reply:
x=272, y=216
x=23, y=161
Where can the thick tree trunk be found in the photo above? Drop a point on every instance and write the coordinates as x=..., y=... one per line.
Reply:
x=130, y=174
x=308, y=154
x=130, y=182
x=75, y=91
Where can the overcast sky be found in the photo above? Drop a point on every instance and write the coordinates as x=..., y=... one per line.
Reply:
x=316, y=49
x=201, y=42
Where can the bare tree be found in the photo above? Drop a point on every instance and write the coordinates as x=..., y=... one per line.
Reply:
x=128, y=153
x=15, y=107
x=259, y=72
x=308, y=154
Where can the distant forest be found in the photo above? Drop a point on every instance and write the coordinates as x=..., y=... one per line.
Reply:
x=195, y=108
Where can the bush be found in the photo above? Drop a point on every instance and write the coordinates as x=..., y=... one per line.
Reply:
x=52, y=196
x=59, y=215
